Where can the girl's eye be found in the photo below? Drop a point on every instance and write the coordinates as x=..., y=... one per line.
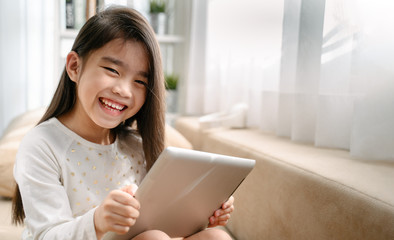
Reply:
x=141, y=82
x=111, y=70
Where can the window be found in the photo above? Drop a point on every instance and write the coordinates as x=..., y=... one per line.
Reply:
x=314, y=71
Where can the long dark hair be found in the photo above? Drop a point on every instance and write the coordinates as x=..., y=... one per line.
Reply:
x=110, y=24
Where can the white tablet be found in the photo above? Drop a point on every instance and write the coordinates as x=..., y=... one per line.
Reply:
x=183, y=189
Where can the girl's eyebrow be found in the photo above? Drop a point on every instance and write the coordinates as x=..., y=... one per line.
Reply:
x=122, y=64
x=113, y=60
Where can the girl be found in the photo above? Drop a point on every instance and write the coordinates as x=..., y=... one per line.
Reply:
x=100, y=135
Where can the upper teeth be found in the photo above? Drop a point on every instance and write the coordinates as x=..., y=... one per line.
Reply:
x=113, y=105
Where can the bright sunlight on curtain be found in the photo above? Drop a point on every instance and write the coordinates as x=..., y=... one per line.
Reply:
x=316, y=71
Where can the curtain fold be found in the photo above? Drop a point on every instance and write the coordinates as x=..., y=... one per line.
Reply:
x=196, y=74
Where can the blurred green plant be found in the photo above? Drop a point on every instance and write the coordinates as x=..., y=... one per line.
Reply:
x=171, y=81
x=157, y=6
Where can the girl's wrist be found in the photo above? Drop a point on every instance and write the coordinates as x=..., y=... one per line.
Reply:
x=99, y=233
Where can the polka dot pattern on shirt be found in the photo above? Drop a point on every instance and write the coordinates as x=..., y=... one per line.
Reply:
x=94, y=172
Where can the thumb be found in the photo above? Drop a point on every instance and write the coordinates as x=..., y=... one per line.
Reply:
x=130, y=189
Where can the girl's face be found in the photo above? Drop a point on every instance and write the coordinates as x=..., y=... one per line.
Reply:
x=112, y=84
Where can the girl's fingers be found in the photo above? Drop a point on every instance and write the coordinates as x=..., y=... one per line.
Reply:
x=222, y=223
x=111, y=215
x=121, y=220
x=122, y=204
x=222, y=218
x=212, y=220
x=219, y=212
x=120, y=229
x=228, y=203
x=222, y=215
x=116, y=208
x=124, y=198
x=216, y=221
x=130, y=189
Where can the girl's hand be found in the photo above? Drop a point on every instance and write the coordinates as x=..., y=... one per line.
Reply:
x=221, y=216
x=117, y=213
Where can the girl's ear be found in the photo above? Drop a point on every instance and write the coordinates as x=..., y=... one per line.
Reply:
x=73, y=66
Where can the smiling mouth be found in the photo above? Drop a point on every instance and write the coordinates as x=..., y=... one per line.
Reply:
x=113, y=106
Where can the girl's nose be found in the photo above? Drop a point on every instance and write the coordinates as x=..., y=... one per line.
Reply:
x=123, y=89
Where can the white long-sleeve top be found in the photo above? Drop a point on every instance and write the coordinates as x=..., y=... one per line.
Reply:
x=63, y=178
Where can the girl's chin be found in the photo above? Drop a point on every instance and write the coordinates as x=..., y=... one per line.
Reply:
x=107, y=124
x=111, y=126
x=108, y=119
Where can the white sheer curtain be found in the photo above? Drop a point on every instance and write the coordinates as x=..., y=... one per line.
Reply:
x=372, y=132
x=233, y=46
x=343, y=79
x=316, y=71
x=27, y=38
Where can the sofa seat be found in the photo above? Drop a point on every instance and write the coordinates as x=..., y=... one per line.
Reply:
x=298, y=191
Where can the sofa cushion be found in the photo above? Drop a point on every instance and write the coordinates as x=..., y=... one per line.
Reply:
x=175, y=139
x=9, y=144
x=7, y=182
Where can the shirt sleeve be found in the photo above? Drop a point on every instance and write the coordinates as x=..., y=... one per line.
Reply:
x=45, y=201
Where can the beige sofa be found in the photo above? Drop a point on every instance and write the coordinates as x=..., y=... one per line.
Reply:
x=297, y=191
x=9, y=143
